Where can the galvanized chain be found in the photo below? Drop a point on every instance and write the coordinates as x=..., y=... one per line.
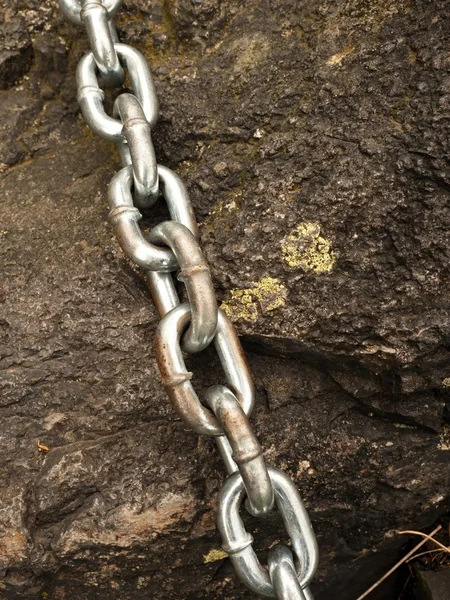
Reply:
x=172, y=247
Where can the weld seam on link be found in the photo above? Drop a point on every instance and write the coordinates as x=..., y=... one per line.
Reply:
x=129, y=123
x=245, y=447
x=245, y=457
x=120, y=210
x=204, y=310
x=232, y=549
x=88, y=90
x=177, y=379
x=188, y=326
x=296, y=521
x=192, y=270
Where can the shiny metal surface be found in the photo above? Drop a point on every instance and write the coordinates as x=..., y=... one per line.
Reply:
x=175, y=376
x=191, y=326
x=234, y=363
x=283, y=575
x=194, y=273
x=125, y=218
x=138, y=135
x=246, y=450
x=163, y=292
x=96, y=19
x=177, y=379
x=71, y=9
x=226, y=452
x=90, y=96
x=177, y=198
x=235, y=537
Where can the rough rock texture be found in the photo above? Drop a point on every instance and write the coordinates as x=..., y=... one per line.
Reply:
x=433, y=585
x=312, y=137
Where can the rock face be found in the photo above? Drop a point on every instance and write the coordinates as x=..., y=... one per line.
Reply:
x=433, y=585
x=312, y=138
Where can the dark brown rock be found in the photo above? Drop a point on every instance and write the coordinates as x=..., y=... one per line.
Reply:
x=433, y=585
x=312, y=137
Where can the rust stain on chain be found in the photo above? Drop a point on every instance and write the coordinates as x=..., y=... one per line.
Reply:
x=193, y=326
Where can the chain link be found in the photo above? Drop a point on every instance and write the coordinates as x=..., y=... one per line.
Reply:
x=90, y=95
x=71, y=9
x=283, y=575
x=238, y=542
x=172, y=249
x=177, y=379
x=245, y=448
x=138, y=138
x=96, y=18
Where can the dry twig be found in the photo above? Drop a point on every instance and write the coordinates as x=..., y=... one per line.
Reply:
x=428, y=537
x=424, y=554
x=403, y=560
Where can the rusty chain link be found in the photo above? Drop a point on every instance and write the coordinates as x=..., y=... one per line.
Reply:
x=172, y=248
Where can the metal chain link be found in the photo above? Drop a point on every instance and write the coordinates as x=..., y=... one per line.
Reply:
x=172, y=247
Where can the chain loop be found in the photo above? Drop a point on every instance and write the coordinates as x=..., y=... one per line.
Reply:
x=177, y=379
x=238, y=543
x=71, y=9
x=246, y=450
x=196, y=277
x=137, y=133
x=125, y=217
x=96, y=19
x=90, y=95
x=283, y=575
x=192, y=326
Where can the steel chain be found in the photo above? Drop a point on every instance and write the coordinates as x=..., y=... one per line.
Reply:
x=192, y=326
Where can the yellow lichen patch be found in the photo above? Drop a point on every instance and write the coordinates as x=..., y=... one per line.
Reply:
x=307, y=249
x=214, y=555
x=336, y=59
x=267, y=295
x=446, y=382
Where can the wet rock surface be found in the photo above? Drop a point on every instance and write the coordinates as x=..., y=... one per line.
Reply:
x=312, y=138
